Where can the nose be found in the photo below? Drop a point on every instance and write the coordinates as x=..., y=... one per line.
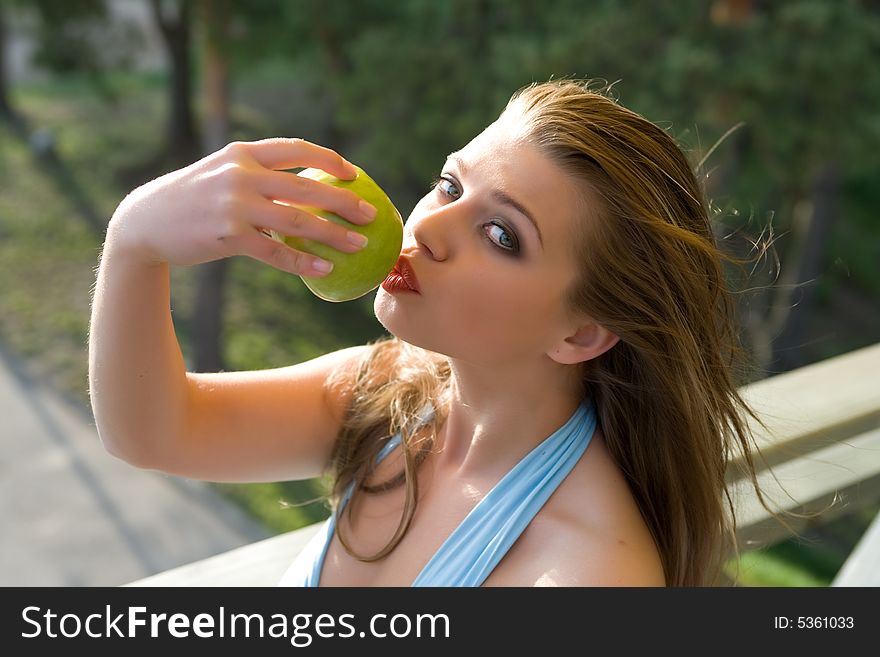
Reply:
x=440, y=230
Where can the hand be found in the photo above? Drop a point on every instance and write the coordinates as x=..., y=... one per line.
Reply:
x=222, y=205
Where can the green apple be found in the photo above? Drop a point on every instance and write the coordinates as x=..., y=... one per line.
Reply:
x=354, y=274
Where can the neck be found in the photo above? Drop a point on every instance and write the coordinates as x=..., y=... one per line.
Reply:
x=497, y=417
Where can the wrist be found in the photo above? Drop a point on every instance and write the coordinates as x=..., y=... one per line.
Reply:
x=123, y=237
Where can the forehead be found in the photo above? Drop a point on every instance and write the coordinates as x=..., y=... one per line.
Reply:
x=501, y=158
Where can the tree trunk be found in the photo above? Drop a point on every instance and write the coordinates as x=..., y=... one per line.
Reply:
x=211, y=277
x=215, y=73
x=331, y=44
x=182, y=135
x=731, y=12
x=788, y=347
x=5, y=107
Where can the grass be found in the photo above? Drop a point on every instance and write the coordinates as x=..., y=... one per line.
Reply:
x=46, y=260
x=811, y=559
x=282, y=506
x=765, y=568
x=48, y=253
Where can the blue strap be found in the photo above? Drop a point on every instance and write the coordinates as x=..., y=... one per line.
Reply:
x=306, y=567
x=474, y=548
x=482, y=539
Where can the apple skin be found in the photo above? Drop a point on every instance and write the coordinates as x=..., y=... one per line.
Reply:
x=354, y=274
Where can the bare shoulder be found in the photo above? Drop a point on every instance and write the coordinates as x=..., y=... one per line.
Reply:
x=586, y=558
x=590, y=533
x=565, y=554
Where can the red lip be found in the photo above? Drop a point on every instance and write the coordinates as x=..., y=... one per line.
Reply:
x=403, y=269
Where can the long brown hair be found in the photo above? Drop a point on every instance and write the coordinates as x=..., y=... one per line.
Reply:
x=652, y=274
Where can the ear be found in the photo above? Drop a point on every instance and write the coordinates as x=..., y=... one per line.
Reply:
x=589, y=341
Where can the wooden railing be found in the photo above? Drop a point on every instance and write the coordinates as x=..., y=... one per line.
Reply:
x=823, y=446
x=823, y=451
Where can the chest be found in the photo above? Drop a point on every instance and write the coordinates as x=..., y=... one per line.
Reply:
x=443, y=503
x=373, y=521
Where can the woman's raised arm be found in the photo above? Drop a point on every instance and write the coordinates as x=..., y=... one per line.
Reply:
x=142, y=397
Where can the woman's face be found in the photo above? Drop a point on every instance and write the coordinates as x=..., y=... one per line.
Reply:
x=491, y=282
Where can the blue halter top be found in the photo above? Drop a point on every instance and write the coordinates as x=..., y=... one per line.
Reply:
x=475, y=547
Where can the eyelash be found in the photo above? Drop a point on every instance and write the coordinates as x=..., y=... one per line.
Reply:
x=435, y=185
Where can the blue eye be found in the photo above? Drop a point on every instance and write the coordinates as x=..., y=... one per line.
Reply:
x=513, y=247
x=437, y=183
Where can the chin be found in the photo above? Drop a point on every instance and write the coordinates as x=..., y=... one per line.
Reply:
x=394, y=320
x=388, y=313
x=383, y=306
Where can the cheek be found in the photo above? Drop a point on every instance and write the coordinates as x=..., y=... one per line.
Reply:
x=488, y=318
x=498, y=301
x=496, y=321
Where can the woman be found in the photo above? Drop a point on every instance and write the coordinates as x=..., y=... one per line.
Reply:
x=557, y=403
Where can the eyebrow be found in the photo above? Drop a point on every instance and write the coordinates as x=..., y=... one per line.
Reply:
x=502, y=197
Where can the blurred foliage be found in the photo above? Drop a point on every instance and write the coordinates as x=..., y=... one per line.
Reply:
x=802, y=75
x=77, y=37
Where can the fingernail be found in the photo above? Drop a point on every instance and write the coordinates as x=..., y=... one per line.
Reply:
x=322, y=265
x=357, y=239
x=368, y=210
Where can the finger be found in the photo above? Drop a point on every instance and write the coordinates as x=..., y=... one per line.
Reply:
x=300, y=190
x=288, y=153
x=297, y=222
x=277, y=254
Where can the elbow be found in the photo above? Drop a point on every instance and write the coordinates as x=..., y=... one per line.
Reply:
x=125, y=451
